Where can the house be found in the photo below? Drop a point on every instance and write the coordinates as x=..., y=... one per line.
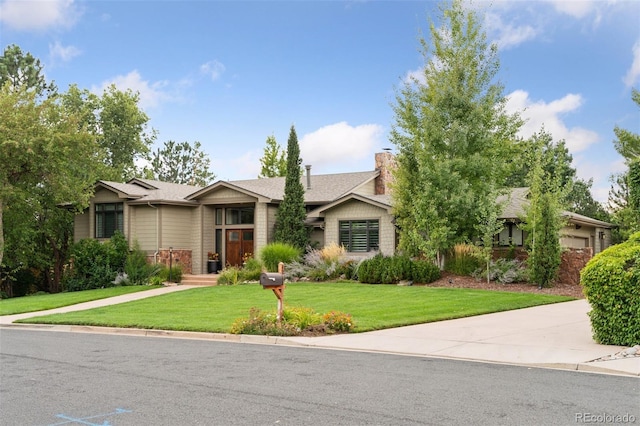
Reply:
x=579, y=231
x=236, y=218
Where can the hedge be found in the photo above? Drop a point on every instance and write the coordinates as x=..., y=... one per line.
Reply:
x=611, y=282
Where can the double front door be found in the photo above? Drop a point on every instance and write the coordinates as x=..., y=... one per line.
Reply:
x=238, y=244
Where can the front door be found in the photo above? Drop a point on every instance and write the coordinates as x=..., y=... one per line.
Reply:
x=239, y=243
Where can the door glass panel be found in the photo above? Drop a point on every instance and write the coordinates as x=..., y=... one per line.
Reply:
x=247, y=235
x=234, y=236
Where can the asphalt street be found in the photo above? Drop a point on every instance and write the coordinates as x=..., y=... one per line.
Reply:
x=61, y=378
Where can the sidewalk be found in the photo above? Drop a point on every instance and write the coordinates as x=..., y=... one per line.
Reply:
x=551, y=336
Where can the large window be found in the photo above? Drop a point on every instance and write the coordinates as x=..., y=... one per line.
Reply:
x=239, y=216
x=109, y=219
x=360, y=235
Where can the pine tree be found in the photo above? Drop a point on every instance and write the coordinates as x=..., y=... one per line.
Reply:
x=290, y=227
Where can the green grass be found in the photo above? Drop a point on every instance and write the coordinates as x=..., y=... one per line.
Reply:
x=213, y=309
x=41, y=302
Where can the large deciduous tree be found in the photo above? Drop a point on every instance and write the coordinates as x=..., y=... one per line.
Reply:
x=47, y=160
x=624, y=196
x=274, y=160
x=182, y=163
x=453, y=136
x=290, y=227
x=119, y=125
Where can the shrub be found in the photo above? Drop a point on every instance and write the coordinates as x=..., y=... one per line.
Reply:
x=390, y=270
x=138, y=270
x=338, y=321
x=229, y=276
x=464, y=259
x=503, y=270
x=176, y=273
x=262, y=323
x=251, y=270
x=96, y=264
x=301, y=318
x=295, y=270
x=424, y=271
x=370, y=270
x=274, y=253
x=611, y=284
x=332, y=252
x=294, y=321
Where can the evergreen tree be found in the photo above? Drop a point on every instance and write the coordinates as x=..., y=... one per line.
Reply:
x=182, y=163
x=543, y=223
x=453, y=137
x=274, y=161
x=290, y=227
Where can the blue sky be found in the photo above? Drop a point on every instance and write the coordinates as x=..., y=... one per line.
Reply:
x=230, y=74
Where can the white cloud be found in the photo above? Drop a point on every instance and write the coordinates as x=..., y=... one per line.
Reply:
x=415, y=76
x=508, y=35
x=340, y=145
x=634, y=72
x=151, y=94
x=575, y=8
x=540, y=113
x=58, y=52
x=38, y=15
x=213, y=69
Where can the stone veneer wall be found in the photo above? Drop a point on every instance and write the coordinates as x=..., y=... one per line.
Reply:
x=385, y=163
x=180, y=257
x=572, y=261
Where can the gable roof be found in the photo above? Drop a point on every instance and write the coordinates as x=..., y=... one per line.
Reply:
x=323, y=188
x=143, y=191
x=383, y=201
x=517, y=200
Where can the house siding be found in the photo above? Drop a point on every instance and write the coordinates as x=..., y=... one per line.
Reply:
x=368, y=188
x=144, y=228
x=176, y=227
x=357, y=210
x=81, y=228
x=261, y=226
x=226, y=196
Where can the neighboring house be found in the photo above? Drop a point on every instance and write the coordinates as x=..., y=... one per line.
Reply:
x=579, y=231
x=236, y=218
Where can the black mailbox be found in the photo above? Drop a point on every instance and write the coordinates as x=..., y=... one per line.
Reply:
x=271, y=279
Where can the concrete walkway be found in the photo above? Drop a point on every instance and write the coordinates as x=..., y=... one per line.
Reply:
x=551, y=336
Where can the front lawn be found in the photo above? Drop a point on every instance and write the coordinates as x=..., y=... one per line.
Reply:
x=42, y=302
x=214, y=309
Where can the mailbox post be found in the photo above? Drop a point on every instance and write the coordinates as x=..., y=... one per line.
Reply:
x=275, y=282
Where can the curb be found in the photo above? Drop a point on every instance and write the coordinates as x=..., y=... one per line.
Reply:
x=284, y=341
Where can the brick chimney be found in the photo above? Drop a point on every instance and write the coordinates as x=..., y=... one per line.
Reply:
x=385, y=163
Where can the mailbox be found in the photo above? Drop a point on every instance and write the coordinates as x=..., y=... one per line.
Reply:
x=271, y=279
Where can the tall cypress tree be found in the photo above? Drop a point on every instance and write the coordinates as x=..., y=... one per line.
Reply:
x=290, y=227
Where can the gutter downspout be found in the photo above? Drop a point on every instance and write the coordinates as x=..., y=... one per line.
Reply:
x=155, y=255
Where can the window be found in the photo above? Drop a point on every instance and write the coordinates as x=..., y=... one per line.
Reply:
x=109, y=219
x=239, y=216
x=360, y=235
